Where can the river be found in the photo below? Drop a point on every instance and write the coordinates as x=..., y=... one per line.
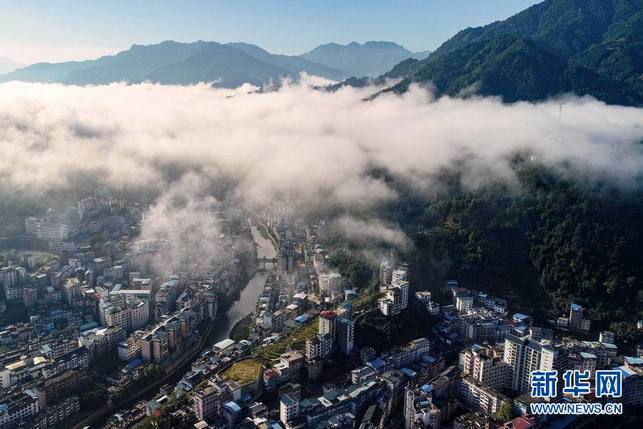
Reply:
x=250, y=293
x=245, y=305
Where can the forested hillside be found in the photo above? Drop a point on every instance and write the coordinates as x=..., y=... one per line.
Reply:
x=548, y=240
x=582, y=47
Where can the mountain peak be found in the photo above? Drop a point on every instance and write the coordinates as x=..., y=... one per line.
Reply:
x=382, y=44
x=360, y=59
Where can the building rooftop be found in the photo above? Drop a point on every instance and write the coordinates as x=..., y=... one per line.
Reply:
x=224, y=344
x=328, y=314
x=377, y=363
x=522, y=422
x=233, y=406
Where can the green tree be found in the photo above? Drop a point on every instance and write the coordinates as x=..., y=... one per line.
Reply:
x=505, y=412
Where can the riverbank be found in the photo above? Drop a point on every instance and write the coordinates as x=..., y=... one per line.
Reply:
x=211, y=334
x=247, y=301
x=241, y=330
x=177, y=369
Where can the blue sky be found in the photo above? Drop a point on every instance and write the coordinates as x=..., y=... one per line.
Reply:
x=57, y=30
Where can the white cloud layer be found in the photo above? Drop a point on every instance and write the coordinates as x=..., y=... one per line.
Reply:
x=316, y=145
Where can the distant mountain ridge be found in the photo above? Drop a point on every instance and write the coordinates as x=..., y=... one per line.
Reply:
x=367, y=59
x=586, y=47
x=168, y=62
x=229, y=65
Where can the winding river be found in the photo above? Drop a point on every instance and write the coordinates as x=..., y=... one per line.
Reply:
x=249, y=295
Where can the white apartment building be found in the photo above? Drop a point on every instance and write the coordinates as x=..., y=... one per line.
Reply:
x=411, y=352
x=133, y=315
x=396, y=298
x=525, y=355
x=16, y=408
x=478, y=397
x=385, y=273
x=8, y=276
x=399, y=275
x=288, y=408
x=419, y=409
x=490, y=371
x=318, y=347
x=207, y=402
x=464, y=303
x=140, y=313
x=131, y=348
x=330, y=284
x=46, y=230
x=328, y=323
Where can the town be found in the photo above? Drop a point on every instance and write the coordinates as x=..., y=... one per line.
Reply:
x=271, y=336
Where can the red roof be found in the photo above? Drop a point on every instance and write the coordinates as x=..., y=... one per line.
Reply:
x=523, y=422
x=328, y=314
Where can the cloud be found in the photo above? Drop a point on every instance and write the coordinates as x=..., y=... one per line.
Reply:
x=370, y=232
x=313, y=148
x=183, y=230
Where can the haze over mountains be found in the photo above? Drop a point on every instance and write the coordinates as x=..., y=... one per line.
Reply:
x=7, y=65
x=229, y=65
x=582, y=47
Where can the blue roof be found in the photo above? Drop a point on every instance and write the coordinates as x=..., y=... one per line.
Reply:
x=520, y=316
x=87, y=326
x=377, y=363
x=182, y=385
x=409, y=372
x=575, y=307
x=302, y=319
x=634, y=360
x=309, y=402
x=626, y=371
x=427, y=388
x=233, y=406
x=428, y=359
x=134, y=363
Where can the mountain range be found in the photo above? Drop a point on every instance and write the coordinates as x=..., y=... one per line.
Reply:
x=229, y=65
x=586, y=47
x=368, y=59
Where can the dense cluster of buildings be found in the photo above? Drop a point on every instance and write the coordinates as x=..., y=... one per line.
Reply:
x=93, y=315
x=488, y=385
x=73, y=307
x=60, y=230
